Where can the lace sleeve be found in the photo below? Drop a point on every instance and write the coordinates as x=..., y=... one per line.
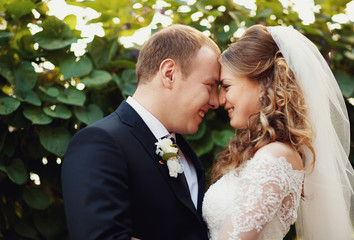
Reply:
x=264, y=183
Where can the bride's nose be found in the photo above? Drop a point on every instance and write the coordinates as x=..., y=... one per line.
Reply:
x=222, y=98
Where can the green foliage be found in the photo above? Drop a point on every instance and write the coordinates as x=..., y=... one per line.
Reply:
x=41, y=108
x=56, y=34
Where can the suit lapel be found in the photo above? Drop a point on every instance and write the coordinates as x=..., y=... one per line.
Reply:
x=146, y=138
x=188, y=152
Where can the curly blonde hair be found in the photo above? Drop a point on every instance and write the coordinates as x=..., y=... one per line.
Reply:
x=283, y=115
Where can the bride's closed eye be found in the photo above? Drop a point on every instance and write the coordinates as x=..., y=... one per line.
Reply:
x=225, y=86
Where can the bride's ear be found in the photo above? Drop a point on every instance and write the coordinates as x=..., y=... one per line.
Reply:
x=262, y=90
x=167, y=71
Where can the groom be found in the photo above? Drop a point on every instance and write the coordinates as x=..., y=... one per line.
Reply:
x=115, y=186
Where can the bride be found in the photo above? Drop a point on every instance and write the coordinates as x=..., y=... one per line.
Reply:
x=289, y=161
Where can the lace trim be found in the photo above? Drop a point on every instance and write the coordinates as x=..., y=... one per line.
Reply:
x=268, y=187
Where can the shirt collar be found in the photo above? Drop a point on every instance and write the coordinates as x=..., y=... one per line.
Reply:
x=155, y=126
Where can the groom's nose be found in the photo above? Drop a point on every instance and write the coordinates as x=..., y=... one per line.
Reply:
x=214, y=100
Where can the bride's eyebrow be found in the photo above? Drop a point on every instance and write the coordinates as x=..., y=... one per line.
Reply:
x=225, y=79
x=222, y=81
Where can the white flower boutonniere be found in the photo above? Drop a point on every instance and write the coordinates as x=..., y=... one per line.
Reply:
x=168, y=151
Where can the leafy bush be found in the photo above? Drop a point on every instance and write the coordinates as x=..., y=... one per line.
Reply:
x=48, y=93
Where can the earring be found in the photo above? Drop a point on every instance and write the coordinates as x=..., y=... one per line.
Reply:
x=261, y=99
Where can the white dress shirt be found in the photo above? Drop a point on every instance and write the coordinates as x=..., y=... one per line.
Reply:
x=159, y=131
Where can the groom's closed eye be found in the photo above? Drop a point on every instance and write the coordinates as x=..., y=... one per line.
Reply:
x=210, y=85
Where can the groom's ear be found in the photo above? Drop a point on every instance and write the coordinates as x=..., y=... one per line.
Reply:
x=167, y=72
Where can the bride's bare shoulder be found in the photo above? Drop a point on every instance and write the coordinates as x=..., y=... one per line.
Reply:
x=279, y=149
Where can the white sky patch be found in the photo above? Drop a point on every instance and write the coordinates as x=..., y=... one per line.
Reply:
x=305, y=9
x=184, y=9
x=350, y=10
x=35, y=178
x=239, y=32
x=341, y=18
x=34, y=28
x=59, y=8
x=250, y=4
x=191, y=2
x=351, y=101
x=141, y=35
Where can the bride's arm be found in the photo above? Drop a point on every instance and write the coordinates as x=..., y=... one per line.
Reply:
x=261, y=190
x=228, y=227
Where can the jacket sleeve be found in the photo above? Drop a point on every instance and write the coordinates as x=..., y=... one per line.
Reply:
x=95, y=187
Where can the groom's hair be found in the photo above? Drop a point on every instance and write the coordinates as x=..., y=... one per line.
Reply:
x=180, y=43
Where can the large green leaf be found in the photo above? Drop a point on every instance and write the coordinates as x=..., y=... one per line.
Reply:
x=19, y=8
x=51, y=91
x=313, y=30
x=97, y=79
x=99, y=51
x=37, y=116
x=72, y=96
x=102, y=5
x=128, y=90
x=89, y=114
x=121, y=64
x=25, y=76
x=221, y=138
x=202, y=146
x=71, y=20
x=266, y=13
x=32, y=98
x=127, y=82
x=36, y=198
x=24, y=228
x=267, y=6
x=29, y=97
x=129, y=76
x=56, y=34
x=55, y=140
x=59, y=111
x=71, y=66
x=16, y=171
x=222, y=35
x=345, y=83
x=51, y=222
x=6, y=69
x=8, y=105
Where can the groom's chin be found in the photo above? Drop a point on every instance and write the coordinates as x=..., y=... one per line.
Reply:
x=193, y=130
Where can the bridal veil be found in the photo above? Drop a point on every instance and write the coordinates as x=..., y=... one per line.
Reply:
x=325, y=210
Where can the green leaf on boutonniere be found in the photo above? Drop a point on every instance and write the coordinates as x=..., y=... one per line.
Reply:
x=167, y=156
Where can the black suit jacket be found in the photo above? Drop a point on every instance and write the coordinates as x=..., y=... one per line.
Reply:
x=115, y=188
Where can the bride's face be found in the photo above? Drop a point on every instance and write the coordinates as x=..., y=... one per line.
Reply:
x=240, y=97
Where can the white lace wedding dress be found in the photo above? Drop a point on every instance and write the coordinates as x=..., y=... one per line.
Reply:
x=262, y=195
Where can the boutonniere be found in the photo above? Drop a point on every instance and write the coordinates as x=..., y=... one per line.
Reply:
x=168, y=151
